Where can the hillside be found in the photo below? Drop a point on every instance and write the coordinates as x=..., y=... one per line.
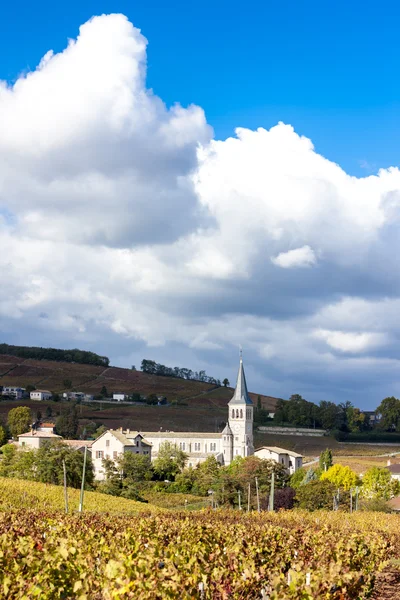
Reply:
x=204, y=410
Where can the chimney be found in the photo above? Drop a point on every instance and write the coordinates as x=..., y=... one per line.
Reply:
x=120, y=429
x=128, y=431
x=388, y=462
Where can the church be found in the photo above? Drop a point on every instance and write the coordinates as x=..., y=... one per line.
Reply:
x=235, y=440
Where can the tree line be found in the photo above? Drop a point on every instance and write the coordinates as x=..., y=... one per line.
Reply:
x=153, y=368
x=301, y=413
x=76, y=356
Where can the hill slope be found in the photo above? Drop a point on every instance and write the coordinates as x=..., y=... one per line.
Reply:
x=90, y=379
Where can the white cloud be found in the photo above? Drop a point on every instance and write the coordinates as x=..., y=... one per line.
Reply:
x=353, y=342
x=126, y=225
x=299, y=257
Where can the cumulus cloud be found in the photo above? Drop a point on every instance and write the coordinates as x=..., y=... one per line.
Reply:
x=135, y=233
x=299, y=257
x=347, y=341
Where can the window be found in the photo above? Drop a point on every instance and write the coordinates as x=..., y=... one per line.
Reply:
x=233, y=413
x=236, y=439
x=99, y=454
x=115, y=455
x=241, y=414
x=197, y=446
x=237, y=413
x=137, y=442
x=145, y=451
x=213, y=447
x=107, y=443
x=23, y=443
x=182, y=445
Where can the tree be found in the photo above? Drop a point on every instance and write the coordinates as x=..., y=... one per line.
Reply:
x=341, y=477
x=134, y=468
x=152, y=399
x=378, y=483
x=49, y=411
x=3, y=435
x=259, y=405
x=225, y=382
x=67, y=423
x=67, y=383
x=100, y=431
x=104, y=392
x=49, y=465
x=325, y=460
x=316, y=495
x=389, y=409
x=284, y=498
x=19, y=420
x=170, y=461
x=297, y=478
x=205, y=476
x=30, y=388
x=329, y=415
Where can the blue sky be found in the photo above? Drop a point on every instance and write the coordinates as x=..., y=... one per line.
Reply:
x=329, y=69
x=128, y=228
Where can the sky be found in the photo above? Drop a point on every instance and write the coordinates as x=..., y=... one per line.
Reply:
x=177, y=182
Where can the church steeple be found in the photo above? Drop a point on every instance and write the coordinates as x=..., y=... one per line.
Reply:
x=241, y=395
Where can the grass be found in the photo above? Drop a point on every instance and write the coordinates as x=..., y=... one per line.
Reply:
x=17, y=494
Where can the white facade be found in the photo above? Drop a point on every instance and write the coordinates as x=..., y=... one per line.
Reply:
x=36, y=439
x=198, y=446
x=292, y=461
x=112, y=443
x=12, y=390
x=119, y=397
x=40, y=395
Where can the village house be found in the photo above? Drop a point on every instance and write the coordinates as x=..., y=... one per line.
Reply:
x=394, y=470
x=113, y=443
x=119, y=397
x=35, y=438
x=41, y=395
x=292, y=461
x=13, y=391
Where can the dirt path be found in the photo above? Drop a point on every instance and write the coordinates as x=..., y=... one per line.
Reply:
x=387, y=585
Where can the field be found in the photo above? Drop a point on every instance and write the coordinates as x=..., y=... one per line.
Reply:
x=29, y=495
x=212, y=555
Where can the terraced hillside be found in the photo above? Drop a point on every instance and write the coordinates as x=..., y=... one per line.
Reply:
x=204, y=404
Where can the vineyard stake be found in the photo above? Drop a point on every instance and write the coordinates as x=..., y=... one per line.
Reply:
x=248, y=499
x=83, y=481
x=65, y=487
x=258, y=495
x=272, y=492
x=240, y=506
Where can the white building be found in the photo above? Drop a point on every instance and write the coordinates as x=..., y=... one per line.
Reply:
x=12, y=390
x=394, y=470
x=289, y=459
x=36, y=438
x=41, y=395
x=120, y=397
x=112, y=443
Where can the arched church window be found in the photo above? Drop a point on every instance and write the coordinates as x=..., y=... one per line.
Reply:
x=241, y=414
x=233, y=413
x=237, y=413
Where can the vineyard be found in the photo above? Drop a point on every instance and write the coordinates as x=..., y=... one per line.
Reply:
x=21, y=494
x=206, y=555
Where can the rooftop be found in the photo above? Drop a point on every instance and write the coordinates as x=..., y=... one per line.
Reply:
x=39, y=434
x=241, y=395
x=181, y=434
x=280, y=451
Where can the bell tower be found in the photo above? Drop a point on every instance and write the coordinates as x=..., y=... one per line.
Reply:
x=241, y=416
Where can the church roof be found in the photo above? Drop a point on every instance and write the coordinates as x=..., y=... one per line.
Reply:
x=241, y=395
x=227, y=430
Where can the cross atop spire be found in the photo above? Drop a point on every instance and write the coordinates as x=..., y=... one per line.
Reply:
x=241, y=395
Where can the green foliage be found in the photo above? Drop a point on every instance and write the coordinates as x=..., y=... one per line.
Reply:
x=153, y=368
x=30, y=388
x=311, y=475
x=325, y=460
x=170, y=461
x=316, y=495
x=297, y=478
x=389, y=409
x=152, y=399
x=19, y=420
x=75, y=355
x=67, y=383
x=378, y=483
x=46, y=464
x=341, y=477
x=104, y=392
x=67, y=423
x=225, y=382
x=3, y=435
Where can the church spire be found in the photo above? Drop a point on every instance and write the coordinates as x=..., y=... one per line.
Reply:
x=241, y=395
